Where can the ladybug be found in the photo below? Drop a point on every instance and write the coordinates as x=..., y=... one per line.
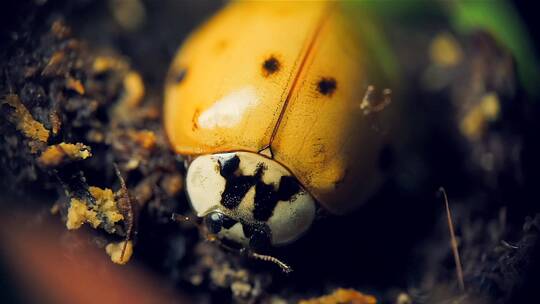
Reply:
x=269, y=102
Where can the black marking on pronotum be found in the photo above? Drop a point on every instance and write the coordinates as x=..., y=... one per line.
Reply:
x=270, y=66
x=327, y=86
x=266, y=198
x=228, y=222
x=236, y=186
x=227, y=167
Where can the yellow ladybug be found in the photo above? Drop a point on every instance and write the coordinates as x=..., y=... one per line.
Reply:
x=265, y=100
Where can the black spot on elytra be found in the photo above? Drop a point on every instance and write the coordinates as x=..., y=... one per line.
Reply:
x=270, y=66
x=327, y=86
x=180, y=75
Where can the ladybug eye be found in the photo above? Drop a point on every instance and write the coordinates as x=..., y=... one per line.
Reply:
x=214, y=222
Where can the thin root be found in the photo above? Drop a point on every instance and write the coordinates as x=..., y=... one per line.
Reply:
x=453, y=242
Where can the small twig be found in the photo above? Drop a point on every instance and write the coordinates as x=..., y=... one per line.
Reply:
x=125, y=195
x=453, y=242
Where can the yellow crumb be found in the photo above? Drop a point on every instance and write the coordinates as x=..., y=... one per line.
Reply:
x=78, y=214
x=104, y=209
x=133, y=90
x=55, y=209
x=144, y=138
x=56, y=123
x=445, y=50
x=403, y=298
x=54, y=155
x=106, y=204
x=60, y=30
x=75, y=85
x=105, y=63
x=475, y=121
x=114, y=250
x=52, y=66
x=24, y=121
x=342, y=296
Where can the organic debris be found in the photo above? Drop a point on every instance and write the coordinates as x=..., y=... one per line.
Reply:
x=57, y=154
x=342, y=296
x=24, y=121
x=104, y=210
x=121, y=252
x=73, y=114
